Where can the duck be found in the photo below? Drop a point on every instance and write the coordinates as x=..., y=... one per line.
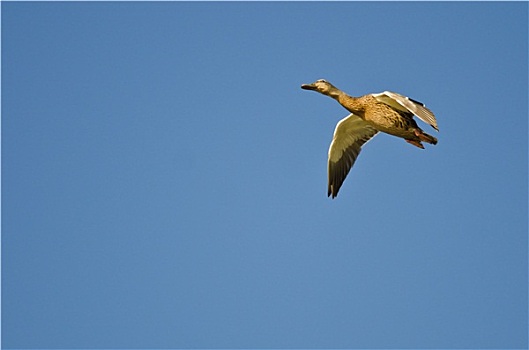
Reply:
x=386, y=112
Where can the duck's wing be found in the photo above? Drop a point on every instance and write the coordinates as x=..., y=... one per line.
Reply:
x=407, y=104
x=349, y=136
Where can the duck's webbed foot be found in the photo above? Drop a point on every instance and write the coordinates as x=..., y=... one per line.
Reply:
x=415, y=143
x=425, y=137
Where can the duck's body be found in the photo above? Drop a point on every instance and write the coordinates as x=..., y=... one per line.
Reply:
x=381, y=116
x=386, y=112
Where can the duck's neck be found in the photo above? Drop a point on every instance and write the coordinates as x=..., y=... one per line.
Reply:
x=352, y=104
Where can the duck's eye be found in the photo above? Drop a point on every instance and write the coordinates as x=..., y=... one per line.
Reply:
x=322, y=81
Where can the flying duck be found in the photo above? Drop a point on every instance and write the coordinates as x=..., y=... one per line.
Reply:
x=386, y=112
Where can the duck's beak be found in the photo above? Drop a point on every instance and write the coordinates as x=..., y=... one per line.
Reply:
x=308, y=87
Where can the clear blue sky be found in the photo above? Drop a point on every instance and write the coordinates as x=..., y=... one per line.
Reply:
x=164, y=177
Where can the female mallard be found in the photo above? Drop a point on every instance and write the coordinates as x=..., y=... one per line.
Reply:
x=386, y=112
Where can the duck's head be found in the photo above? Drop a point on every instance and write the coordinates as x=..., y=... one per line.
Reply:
x=322, y=86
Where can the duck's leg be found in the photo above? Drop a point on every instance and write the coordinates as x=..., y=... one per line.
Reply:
x=415, y=143
x=425, y=137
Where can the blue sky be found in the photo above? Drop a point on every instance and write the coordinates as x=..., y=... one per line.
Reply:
x=164, y=177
